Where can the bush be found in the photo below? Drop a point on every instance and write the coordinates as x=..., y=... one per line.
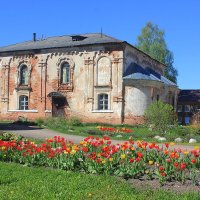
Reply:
x=195, y=129
x=57, y=123
x=24, y=121
x=10, y=137
x=74, y=121
x=161, y=116
x=39, y=121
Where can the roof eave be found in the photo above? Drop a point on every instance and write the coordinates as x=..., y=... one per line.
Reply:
x=48, y=48
x=143, y=81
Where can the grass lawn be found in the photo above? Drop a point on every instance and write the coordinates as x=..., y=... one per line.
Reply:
x=24, y=183
x=139, y=133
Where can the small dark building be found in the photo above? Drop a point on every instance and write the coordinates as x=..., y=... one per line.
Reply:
x=188, y=108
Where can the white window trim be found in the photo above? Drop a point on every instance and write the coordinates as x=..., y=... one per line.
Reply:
x=101, y=102
x=102, y=111
x=24, y=102
x=26, y=111
x=47, y=111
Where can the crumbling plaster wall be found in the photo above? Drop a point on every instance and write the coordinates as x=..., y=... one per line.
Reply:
x=44, y=78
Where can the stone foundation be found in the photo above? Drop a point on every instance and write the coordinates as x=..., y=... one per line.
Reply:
x=107, y=119
x=134, y=120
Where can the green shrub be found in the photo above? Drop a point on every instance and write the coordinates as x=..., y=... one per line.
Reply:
x=10, y=137
x=56, y=123
x=74, y=121
x=195, y=129
x=24, y=121
x=160, y=115
x=39, y=121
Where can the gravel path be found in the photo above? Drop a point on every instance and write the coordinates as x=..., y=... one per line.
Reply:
x=41, y=133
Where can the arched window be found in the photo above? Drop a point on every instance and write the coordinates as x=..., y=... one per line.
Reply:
x=23, y=102
x=23, y=75
x=102, y=102
x=65, y=73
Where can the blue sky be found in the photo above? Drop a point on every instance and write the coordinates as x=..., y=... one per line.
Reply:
x=180, y=19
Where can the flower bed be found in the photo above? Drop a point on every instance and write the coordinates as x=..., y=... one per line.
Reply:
x=114, y=130
x=100, y=156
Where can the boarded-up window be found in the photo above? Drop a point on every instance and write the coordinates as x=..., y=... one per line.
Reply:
x=103, y=71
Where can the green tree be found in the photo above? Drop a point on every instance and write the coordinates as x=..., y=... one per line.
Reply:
x=160, y=115
x=152, y=41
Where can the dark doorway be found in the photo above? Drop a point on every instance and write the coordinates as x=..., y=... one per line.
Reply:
x=58, y=106
x=59, y=103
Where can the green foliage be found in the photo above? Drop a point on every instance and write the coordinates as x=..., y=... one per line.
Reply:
x=152, y=42
x=59, y=122
x=160, y=115
x=74, y=121
x=56, y=123
x=10, y=137
x=39, y=121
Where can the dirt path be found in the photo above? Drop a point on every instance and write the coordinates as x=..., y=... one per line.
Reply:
x=41, y=133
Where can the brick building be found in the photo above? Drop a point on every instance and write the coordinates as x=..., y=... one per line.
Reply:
x=93, y=76
x=188, y=107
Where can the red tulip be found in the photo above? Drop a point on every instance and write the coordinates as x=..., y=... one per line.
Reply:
x=162, y=174
x=167, y=145
x=138, y=159
x=161, y=168
x=193, y=161
x=176, y=164
x=182, y=166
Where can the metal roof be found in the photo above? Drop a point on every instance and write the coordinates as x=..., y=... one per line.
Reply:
x=67, y=41
x=61, y=41
x=189, y=96
x=140, y=76
x=137, y=72
x=166, y=81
